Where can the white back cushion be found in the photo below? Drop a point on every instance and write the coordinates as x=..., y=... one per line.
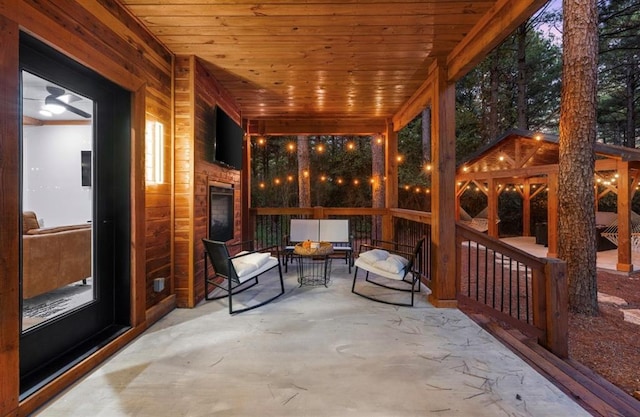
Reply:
x=334, y=230
x=304, y=229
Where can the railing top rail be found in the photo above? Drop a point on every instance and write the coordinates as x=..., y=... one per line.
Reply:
x=415, y=215
x=334, y=211
x=283, y=210
x=466, y=232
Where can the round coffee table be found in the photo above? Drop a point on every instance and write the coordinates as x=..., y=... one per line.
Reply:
x=313, y=265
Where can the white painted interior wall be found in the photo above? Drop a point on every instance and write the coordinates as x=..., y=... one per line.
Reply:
x=52, y=180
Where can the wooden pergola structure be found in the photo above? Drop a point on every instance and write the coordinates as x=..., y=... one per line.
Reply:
x=528, y=162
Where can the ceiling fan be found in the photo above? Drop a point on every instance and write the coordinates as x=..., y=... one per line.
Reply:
x=59, y=97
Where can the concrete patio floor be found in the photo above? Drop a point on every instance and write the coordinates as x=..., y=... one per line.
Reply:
x=315, y=351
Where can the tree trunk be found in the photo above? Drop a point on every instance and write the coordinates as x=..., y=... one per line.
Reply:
x=426, y=134
x=576, y=212
x=493, y=98
x=304, y=172
x=522, y=77
x=377, y=186
x=630, y=128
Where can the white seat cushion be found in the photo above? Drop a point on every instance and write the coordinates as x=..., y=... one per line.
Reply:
x=258, y=259
x=383, y=263
x=242, y=269
x=393, y=264
x=252, y=264
x=374, y=255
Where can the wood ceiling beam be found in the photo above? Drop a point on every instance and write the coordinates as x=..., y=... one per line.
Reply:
x=498, y=23
x=417, y=102
x=317, y=126
x=606, y=165
x=508, y=173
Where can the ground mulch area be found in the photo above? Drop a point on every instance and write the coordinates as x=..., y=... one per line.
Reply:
x=607, y=344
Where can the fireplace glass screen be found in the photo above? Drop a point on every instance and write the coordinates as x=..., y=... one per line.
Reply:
x=220, y=213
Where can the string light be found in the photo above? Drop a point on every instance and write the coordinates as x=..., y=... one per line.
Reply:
x=351, y=146
x=379, y=140
x=291, y=147
x=427, y=167
x=261, y=141
x=340, y=181
x=320, y=148
x=399, y=158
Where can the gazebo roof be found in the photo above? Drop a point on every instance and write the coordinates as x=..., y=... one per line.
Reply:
x=522, y=153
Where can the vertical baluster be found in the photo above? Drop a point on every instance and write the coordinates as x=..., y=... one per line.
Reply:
x=502, y=283
x=493, y=291
x=526, y=291
x=518, y=288
x=486, y=272
x=469, y=266
x=511, y=287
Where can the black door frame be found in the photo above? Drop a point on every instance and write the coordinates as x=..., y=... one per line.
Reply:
x=80, y=333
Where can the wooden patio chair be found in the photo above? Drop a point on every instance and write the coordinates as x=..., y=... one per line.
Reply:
x=392, y=265
x=243, y=268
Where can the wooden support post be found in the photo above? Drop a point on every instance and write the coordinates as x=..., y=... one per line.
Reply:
x=539, y=301
x=492, y=205
x=443, y=226
x=138, y=213
x=9, y=222
x=552, y=214
x=625, y=262
x=526, y=208
x=557, y=297
x=391, y=184
x=247, y=232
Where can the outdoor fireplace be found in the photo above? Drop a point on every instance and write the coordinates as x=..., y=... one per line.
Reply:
x=221, y=212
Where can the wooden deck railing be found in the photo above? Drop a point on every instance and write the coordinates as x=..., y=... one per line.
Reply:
x=526, y=292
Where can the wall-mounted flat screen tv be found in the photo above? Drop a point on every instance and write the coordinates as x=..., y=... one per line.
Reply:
x=223, y=138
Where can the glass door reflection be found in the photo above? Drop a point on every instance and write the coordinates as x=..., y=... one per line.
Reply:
x=57, y=201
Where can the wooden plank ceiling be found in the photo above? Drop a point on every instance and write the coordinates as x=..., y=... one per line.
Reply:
x=315, y=59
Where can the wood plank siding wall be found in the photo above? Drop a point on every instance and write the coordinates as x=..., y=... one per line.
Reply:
x=104, y=37
x=194, y=174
